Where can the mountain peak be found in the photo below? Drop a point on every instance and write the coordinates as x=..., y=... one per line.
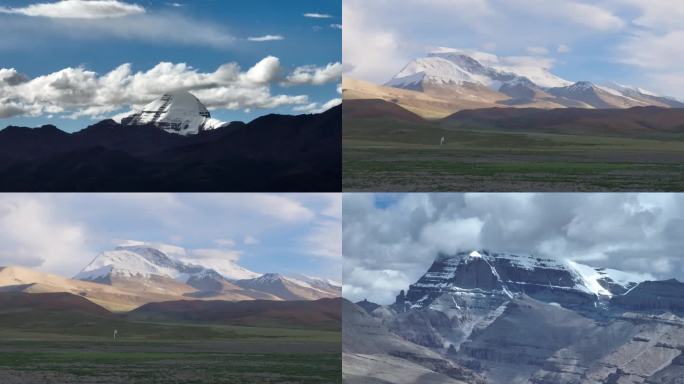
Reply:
x=176, y=112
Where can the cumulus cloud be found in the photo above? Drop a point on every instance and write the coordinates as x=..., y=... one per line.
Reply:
x=389, y=245
x=312, y=75
x=32, y=234
x=77, y=9
x=78, y=92
x=61, y=233
x=266, y=38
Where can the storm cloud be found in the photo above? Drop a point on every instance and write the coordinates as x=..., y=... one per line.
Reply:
x=389, y=241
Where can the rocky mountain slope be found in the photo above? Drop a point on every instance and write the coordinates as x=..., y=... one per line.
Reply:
x=516, y=318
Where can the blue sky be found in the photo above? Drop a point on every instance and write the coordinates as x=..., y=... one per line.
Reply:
x=42, y=37
x=632, y=42
x=62, y=233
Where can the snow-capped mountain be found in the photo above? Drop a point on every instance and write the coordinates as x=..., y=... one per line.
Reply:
x=176, y=112
x=168, y=268
x=451, y=73
x=506, y=275
x=289, y=288
x=144, y=262
x=537, y=319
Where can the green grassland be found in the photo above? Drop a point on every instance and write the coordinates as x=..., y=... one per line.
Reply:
x=393, y=156
x=68, y=348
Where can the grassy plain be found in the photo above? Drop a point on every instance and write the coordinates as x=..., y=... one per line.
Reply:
x=74, y=348
x=385, y=155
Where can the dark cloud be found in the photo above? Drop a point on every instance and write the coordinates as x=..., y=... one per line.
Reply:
x=386, y=249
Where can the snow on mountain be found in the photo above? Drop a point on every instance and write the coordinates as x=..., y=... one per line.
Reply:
x=522, y=81
x=507, y=274
x=228, y=269
x=176, y=112
x=291, y=288
x=446, y=66
x=136, y=259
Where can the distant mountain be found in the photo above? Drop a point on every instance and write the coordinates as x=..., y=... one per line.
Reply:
x=458, y=79
x=323, y=313
x=289, y=288
x=271, y=153
x=149, y=268
x=538, y=320
x=638, y=122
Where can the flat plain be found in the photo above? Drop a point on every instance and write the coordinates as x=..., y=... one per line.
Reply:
x=387, y=154
x=53, y=347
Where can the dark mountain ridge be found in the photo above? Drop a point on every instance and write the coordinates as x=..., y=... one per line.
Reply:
x=271, y=153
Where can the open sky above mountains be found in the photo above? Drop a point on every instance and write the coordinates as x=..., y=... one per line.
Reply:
x=631, y=42
x=288, y=234
x=73, y=62
x=390, y=240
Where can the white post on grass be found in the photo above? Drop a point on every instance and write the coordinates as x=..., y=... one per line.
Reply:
x=115, y=332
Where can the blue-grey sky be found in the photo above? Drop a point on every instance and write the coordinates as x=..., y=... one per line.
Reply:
x=631, y=42
x=74, y=62
x=390, y=240
x=62, y=233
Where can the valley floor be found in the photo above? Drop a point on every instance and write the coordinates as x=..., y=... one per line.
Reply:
x=404, y=157
x=230, y=355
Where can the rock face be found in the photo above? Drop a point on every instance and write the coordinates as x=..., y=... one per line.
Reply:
x=665, y=295
x=500, y=274
x=524, y=319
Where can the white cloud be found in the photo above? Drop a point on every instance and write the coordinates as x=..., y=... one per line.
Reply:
x=317, y=15
x=325, y=240
x=266, y=38
x=61, y=233
x=657, y=14
x=336, y=26
x=214, y=254
x=30, y=33
x=591, y=16
x=78, y=9
x=316, y=107
x=32, y=234
x=250, y=240
x=265, y=71
x=312, y=75
x=387, y=248
x=76, y=92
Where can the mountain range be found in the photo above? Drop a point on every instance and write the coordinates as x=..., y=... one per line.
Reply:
x=271, y=153
x=448, y=80
x=497, y=317
x=136, y=274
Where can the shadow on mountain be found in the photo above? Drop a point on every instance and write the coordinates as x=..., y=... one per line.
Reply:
x=272, y=153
